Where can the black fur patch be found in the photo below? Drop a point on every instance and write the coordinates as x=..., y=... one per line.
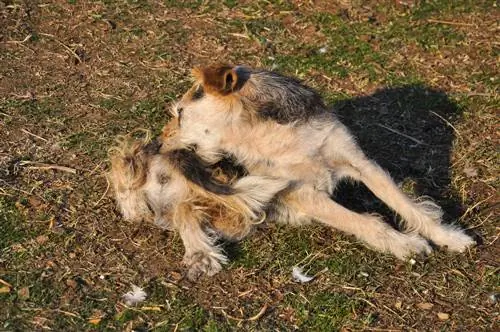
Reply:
x=198, y=93
x=197, y=171
x=230, y=167
x=285, y=99
x=152, y=147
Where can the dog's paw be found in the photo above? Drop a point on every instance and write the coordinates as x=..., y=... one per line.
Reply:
x=201, y=263
x=453, y=238
x=408, y=245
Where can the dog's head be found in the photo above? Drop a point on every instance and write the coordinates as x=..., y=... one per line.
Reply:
x=262, y=93
x=149, y=176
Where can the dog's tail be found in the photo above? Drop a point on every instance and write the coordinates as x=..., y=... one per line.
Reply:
x=128, y=174
x=246, y=206
x=254, y=193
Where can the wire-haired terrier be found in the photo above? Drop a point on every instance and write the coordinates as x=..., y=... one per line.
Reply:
x=275, y=126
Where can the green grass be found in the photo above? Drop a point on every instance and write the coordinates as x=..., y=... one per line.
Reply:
x=380, y=63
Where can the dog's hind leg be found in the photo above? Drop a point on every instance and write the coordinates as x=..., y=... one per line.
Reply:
x=202, y=256
x=308, y=202
x=423, y=217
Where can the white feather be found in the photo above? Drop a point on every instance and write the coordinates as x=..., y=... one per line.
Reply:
x=299, y=276
x=135, y=296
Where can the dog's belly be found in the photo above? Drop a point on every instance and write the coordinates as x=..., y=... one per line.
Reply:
x=289, y=152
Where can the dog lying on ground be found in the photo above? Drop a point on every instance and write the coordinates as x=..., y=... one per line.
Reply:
x=276, y=126
x=164, y=183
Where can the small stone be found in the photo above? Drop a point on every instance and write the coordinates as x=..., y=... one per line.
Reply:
x=443, y=315
x=425, y=305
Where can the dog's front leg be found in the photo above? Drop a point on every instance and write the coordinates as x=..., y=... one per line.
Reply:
x=202, y=256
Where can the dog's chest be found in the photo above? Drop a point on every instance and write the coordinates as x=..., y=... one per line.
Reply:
x=202, y=129
x=273, y=143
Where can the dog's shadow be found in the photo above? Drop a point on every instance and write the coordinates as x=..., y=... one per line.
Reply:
x=409, y=131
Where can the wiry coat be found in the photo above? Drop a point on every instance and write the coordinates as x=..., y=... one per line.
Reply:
x=276, y=126
x=148, y=182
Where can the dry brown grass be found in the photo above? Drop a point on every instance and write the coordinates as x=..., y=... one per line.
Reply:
x=74, y=74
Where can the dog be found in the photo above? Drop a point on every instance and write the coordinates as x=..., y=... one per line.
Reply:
x=163, y=182
x=276, y=126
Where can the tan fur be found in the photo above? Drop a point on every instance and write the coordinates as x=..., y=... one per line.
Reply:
x=315, y=154
x=199, y=216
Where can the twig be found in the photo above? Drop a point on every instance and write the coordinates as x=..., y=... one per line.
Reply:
x=19, y=41
x=104, y=193
x=240, y=35
x=63, y=45
x=448, y=123
x=43, y=166
x=257, y=316
x=470, y=209
x=22, y=191
x=5, y=283
x=494, y=240
x=450, y=23
x=31, y=134
x=67, y=313
x=400, y=133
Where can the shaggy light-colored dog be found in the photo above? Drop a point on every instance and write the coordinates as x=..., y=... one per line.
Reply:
x=276, y=126
x=149, y=184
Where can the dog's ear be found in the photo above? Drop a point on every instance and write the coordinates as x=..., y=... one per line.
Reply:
x=221, y=79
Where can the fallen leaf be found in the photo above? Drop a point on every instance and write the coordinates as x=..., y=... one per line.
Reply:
x=443, y=316
x=176, y=275
x=3, y=282
x=94, y=321
x=425, y=305
x=42, y=239
x=4, y=289
x=24, y=293
x=470, y=172
x=34, y=202
x=71, y=283
x=96, y=316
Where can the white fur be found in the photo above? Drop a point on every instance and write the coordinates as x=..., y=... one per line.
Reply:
x=255, y=192
x=135, y=296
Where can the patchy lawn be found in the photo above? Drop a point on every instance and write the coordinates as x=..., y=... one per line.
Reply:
x=417, y=84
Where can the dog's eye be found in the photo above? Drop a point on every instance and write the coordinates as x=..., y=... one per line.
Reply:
x=199, y=93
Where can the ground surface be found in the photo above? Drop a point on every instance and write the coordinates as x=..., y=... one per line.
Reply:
x=417, y=83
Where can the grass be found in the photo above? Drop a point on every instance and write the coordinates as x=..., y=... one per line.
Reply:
x=425, y=70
